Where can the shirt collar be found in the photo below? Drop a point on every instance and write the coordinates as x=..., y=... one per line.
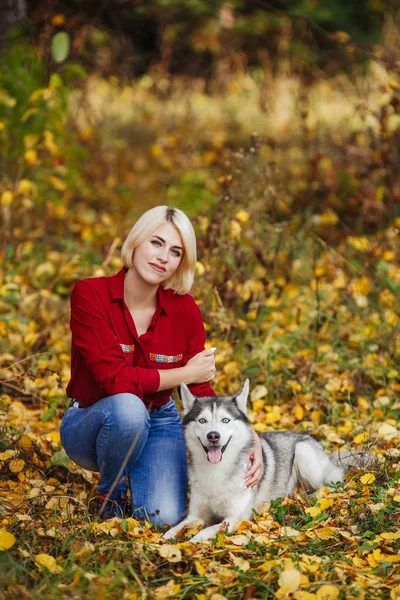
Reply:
x=116, y=283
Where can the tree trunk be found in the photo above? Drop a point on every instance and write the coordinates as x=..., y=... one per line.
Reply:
x=12, y=12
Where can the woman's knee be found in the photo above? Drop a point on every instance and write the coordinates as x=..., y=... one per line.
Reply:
x=126, y=413
x=126, y=406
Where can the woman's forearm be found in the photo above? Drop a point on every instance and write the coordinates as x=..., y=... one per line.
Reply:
x=171, y=378
x=199, y=369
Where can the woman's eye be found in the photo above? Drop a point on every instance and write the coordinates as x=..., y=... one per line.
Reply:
x=225, y=420
x=202, y=421
x=156, y=242
x=176, y=253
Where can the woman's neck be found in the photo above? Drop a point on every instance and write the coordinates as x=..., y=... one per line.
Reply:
x=137, y=293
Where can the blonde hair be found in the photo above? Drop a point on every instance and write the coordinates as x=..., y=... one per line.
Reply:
x=182, y=280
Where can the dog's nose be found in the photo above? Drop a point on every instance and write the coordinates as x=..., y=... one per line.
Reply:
x=213, y=437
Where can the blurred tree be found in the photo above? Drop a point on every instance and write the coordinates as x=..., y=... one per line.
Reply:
x=361, y=19
x=12, y=12
x=192, y=37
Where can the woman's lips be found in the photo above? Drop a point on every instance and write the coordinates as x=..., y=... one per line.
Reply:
x=157, y=268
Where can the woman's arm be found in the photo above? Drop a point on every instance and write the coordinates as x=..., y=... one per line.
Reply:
x=199, y=369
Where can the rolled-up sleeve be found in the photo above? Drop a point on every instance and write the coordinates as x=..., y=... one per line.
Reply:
x=95, y=339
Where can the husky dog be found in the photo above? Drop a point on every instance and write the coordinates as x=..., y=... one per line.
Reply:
x=219, y=438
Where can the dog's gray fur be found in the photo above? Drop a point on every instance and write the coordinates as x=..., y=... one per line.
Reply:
x=219, y=438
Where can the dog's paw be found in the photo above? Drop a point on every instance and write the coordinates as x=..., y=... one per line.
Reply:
x=206, y=534
x=171, y=533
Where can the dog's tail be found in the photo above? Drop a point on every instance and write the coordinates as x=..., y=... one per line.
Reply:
x=353, y=459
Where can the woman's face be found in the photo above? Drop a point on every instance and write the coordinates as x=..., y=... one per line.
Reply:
x=158, y=257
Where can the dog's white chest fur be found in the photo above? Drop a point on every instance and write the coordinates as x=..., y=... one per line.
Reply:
x=218, y=491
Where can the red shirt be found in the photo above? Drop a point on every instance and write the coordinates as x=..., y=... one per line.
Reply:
x=108, y=356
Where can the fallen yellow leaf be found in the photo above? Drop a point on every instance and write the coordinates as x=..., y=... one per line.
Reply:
x=242, y=216
x=361, y=437
x=325, y=503
x=7, y=540
x=379, y=556
x=327, y=592
x=239, y=540
x=16, y=465
x=170, y=552
x=303, y=595
x=313, y=511
x=25, y=442
x=167, y=591
x=325, y=533
x=289, y=580
x=390, y=535
x=299, y=412
x=367, y=479
x=290, y=532
x=394, y=594
x=258, y=405
x=388, y=432
x=7, y=454
x=242, y=564
x=201, y=569
x=260, y=427
x=47, y=561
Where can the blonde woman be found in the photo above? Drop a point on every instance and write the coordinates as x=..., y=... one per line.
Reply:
x=135, y=337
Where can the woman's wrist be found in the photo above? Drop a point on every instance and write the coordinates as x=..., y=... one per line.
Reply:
x=171, y=378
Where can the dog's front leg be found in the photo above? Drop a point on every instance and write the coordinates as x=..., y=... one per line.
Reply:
x=210, y=532
x=171, y=533
x=207, y=533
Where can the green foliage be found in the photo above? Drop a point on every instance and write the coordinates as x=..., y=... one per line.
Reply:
x=361, y=19
x=39, y=151
x=192, y=37
x=23, y=109
x=191, y=8
x=60, y=45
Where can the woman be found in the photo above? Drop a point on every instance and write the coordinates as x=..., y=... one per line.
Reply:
x=135, y=337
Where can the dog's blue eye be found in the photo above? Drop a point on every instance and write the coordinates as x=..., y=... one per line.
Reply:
x=202, y=421
x=225, y=420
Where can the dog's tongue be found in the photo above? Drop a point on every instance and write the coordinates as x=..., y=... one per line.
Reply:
x=214, y=454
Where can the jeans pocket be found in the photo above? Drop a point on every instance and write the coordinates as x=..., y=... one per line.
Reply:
x=167, y=417
x=169, y=407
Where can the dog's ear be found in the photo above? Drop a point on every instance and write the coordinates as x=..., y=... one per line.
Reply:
x=187, y=398
x=241, y=398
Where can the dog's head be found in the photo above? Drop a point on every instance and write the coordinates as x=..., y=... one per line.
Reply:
x=215, y=420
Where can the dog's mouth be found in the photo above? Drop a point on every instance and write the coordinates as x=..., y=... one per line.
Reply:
x=214, y=453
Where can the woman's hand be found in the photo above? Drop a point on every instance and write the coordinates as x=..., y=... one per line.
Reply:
x=253, y=475
x=201, y=367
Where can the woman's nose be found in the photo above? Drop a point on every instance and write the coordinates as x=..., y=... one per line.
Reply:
x=162, y=254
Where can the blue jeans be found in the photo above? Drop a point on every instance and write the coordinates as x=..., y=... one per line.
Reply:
x=99, y=438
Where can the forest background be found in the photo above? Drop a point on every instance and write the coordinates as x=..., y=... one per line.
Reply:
x=275, y=126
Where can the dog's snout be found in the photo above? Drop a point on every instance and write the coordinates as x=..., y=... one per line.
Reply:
x=213, y=437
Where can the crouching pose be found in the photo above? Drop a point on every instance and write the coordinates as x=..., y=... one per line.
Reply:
x=135, y=336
